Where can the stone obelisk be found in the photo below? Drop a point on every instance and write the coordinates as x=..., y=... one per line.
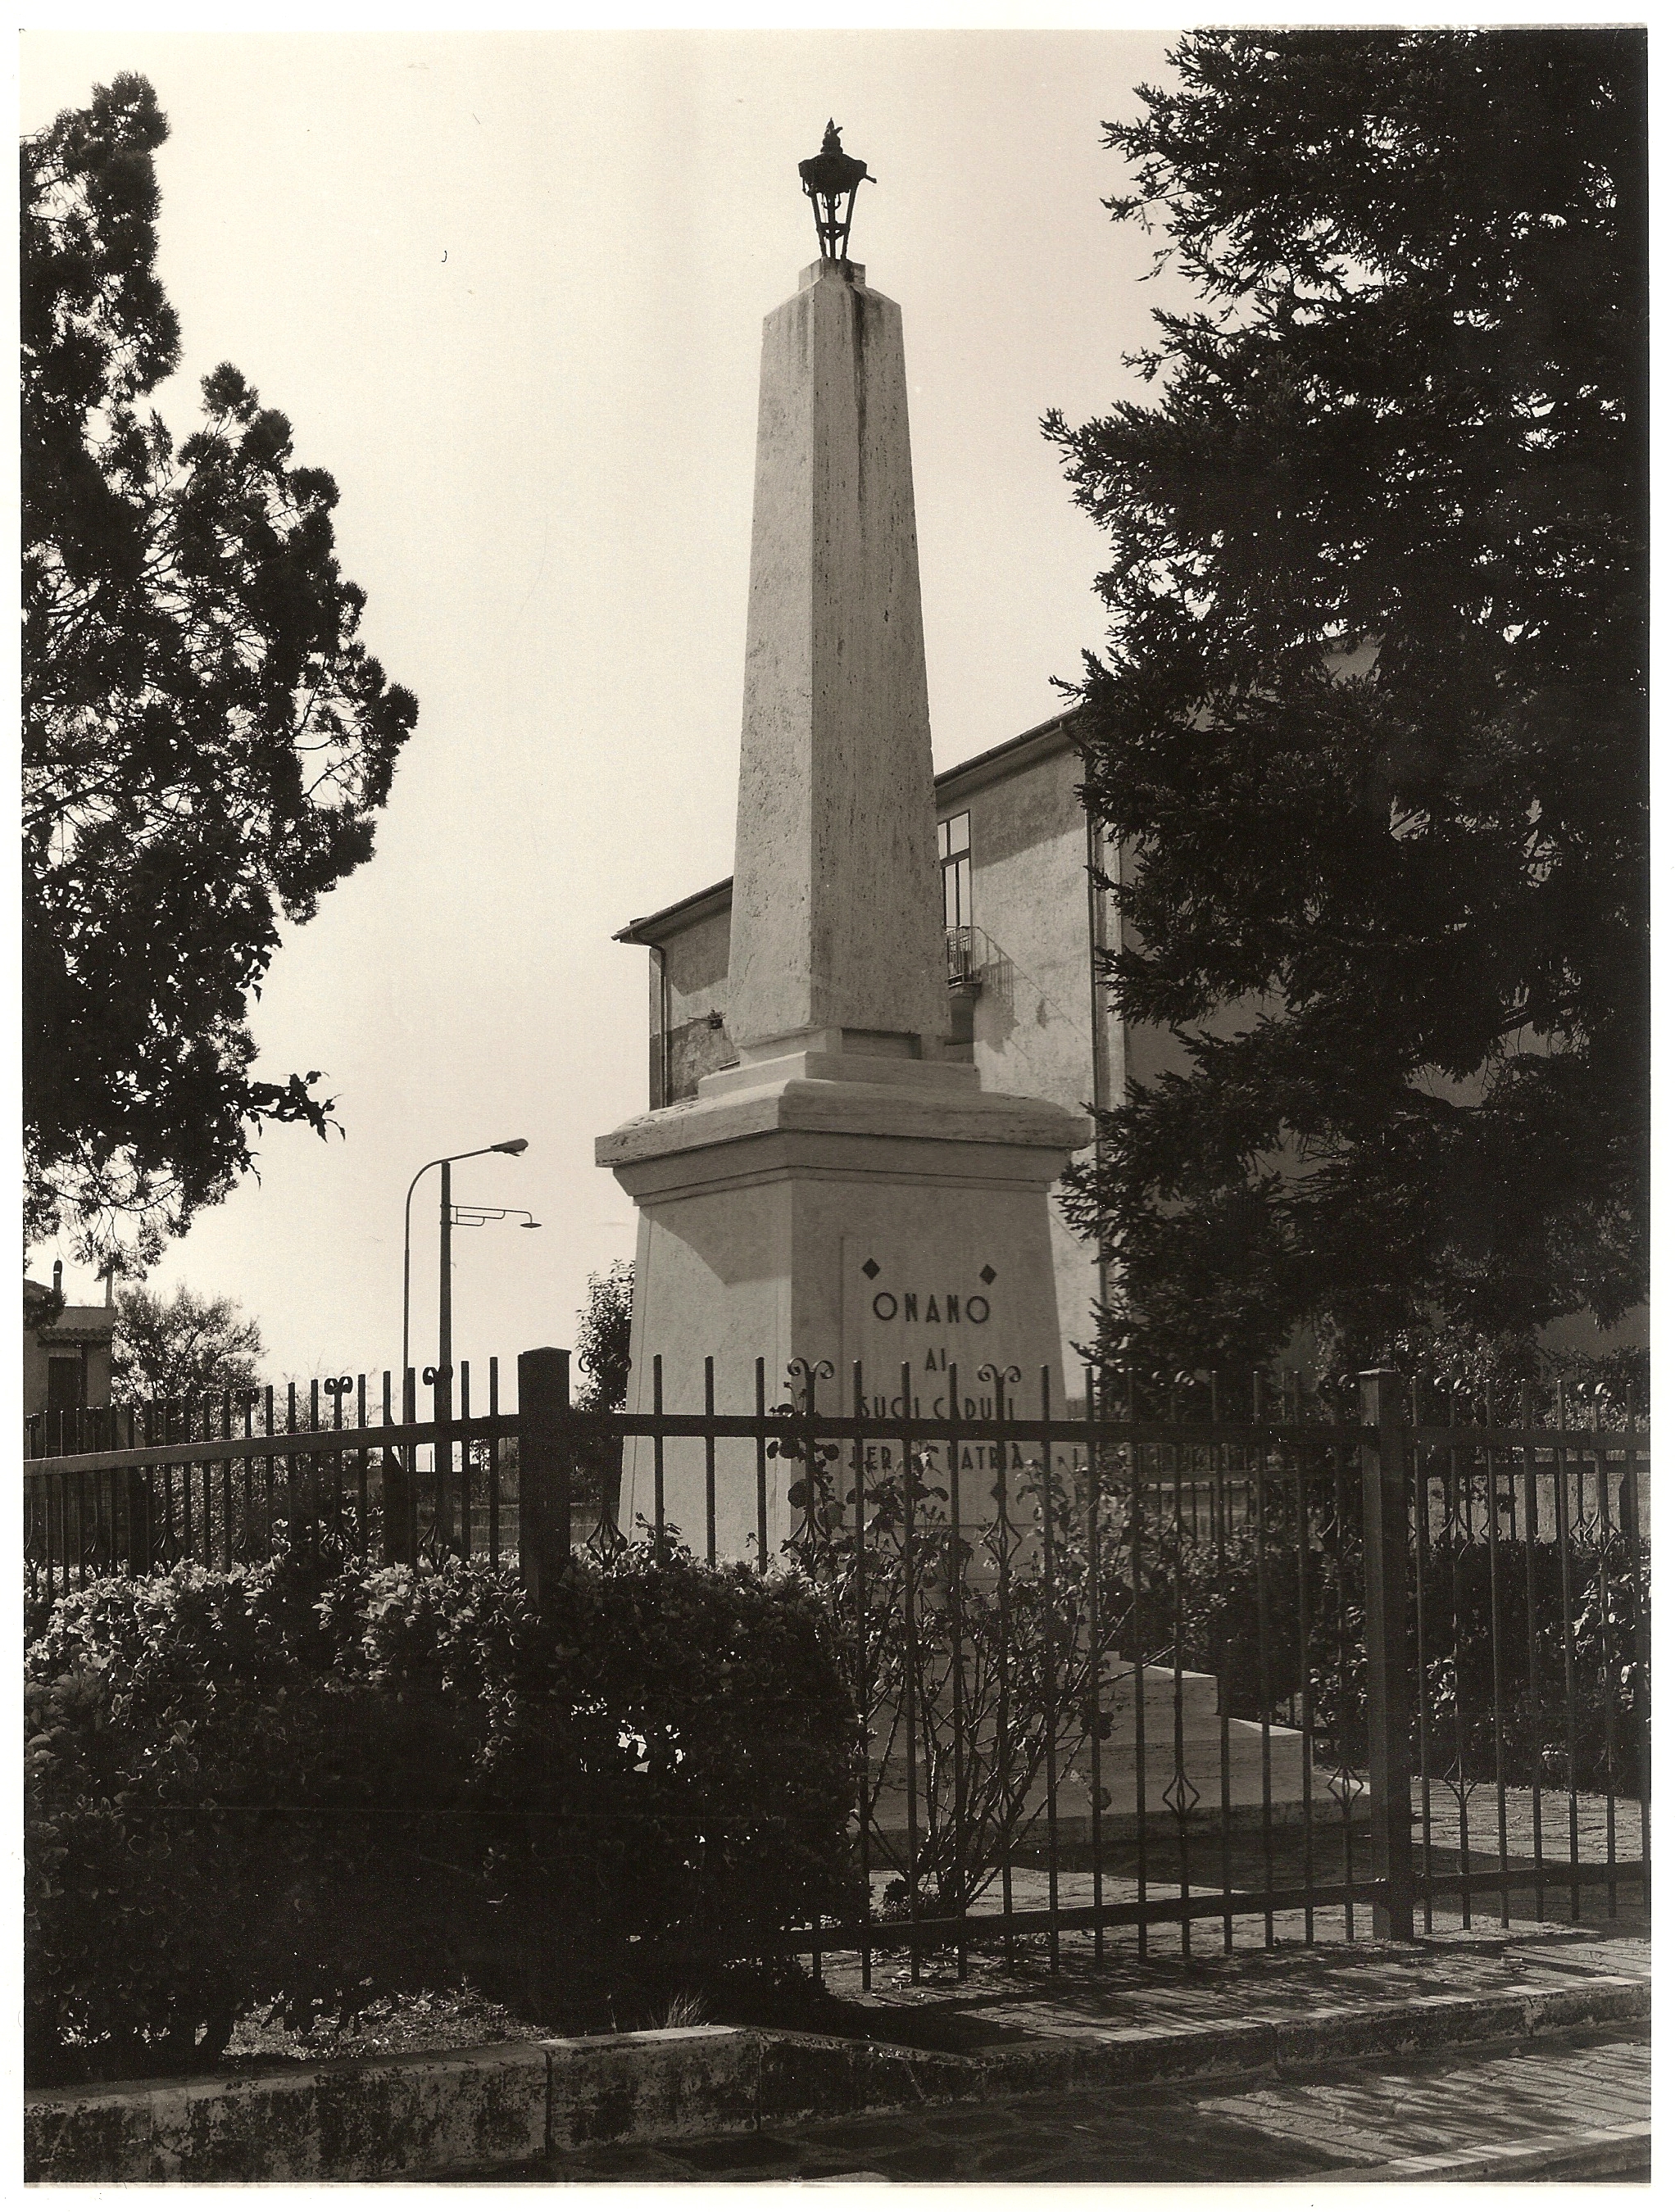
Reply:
x=846, y=1194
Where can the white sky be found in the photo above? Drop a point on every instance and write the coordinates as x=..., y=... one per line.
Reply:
x=510, y=288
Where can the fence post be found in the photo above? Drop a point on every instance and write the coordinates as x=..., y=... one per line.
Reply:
x=543, y=1465
x=1389, y=1696
x=137, y=1500
x=398, y=1507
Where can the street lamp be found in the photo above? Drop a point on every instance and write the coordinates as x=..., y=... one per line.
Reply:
x=478, y=1216
x=445, y=1290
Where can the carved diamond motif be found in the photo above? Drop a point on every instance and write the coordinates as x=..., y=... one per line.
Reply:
x=986, y=1276
x=869, y=1268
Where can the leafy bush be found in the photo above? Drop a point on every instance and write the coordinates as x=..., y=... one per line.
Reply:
x=310, y=1784
x=971, y=1643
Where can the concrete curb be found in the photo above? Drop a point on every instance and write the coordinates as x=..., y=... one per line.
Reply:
x=1583, y=2154
x=508, y=2105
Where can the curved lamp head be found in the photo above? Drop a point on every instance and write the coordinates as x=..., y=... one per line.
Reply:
x=513, y=1144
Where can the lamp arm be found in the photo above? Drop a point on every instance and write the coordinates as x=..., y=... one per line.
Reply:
x=446, y=1159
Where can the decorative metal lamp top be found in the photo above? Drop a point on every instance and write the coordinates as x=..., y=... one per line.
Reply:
x=828, y=176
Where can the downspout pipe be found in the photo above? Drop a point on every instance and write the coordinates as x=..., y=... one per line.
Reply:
x=660, y=954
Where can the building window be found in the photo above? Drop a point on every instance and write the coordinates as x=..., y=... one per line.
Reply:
x=954, y=847
x=65, y=1386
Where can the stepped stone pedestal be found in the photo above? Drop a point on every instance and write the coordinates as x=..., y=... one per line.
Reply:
x=1201, y=1760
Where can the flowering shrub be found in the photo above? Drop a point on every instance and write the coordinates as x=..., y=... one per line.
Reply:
x=308, y=1784
x=967, y=1643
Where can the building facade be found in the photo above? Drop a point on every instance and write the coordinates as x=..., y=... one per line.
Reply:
x=66, y=1350
x=1023, y=927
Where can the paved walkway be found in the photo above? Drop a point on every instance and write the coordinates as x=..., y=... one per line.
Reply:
x=1577, y=2108
x=1567, y=2103
x=1302, y=1970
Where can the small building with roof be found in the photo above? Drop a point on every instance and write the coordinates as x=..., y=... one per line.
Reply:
x=66, y=1348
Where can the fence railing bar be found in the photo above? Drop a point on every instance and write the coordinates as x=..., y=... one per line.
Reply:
x=1422, y=1628
x=1264, y=1678
x=1531, y=1537
x=1049, y=1661
x=910, y=1681
x=658, y=1434
x=1608, y=1700
x=991, y=1928
x=492, y=1455
x=1641, y=1626
x=957, y=1668
x=1137, y=1524
x=863, y=1695
x=1178, y=1779
x=1385, y=1522
x=1220, y=1468
x=1496, y=1677
x=1095, y=1666
x=1306, y=1684
x=1457, y=1601
x=1003, y=1689
x=1561, y=1519
x=465, y=1462
x=362, y=1469
x=710, y=1461
x=1552, y=1874
x=391, y=1436
x=761, y=1467
x=290, y=1460
x=908, y=1430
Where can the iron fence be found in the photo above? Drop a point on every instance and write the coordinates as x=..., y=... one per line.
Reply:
x=1182, y=1666
x=221, y=1479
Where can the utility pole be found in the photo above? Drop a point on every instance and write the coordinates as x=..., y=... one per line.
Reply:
x=445, y=1287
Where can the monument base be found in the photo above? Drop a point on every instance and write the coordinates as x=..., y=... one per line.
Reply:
x=835, y=1209
x=1166, y=1808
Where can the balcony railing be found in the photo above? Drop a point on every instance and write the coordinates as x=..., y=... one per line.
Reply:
x=965, y=956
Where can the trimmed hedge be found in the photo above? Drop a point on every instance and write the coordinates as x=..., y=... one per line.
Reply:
x=304, y=1785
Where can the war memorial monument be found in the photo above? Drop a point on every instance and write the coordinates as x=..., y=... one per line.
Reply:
x=848, y=1193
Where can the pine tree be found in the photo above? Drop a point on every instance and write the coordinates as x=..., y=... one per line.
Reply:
x=1371, y=725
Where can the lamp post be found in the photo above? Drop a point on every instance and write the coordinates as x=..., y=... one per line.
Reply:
x=513, y=1145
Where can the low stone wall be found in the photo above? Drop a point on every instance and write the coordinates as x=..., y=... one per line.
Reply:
x=504, y=2106
x=463, y=2111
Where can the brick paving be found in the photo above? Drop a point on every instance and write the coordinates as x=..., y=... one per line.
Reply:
x=1299, y=1958
x=1580, y=2102
x=1289, y=1982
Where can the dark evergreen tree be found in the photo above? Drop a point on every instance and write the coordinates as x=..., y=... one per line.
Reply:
x=1371, y=727
x=206, y=739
